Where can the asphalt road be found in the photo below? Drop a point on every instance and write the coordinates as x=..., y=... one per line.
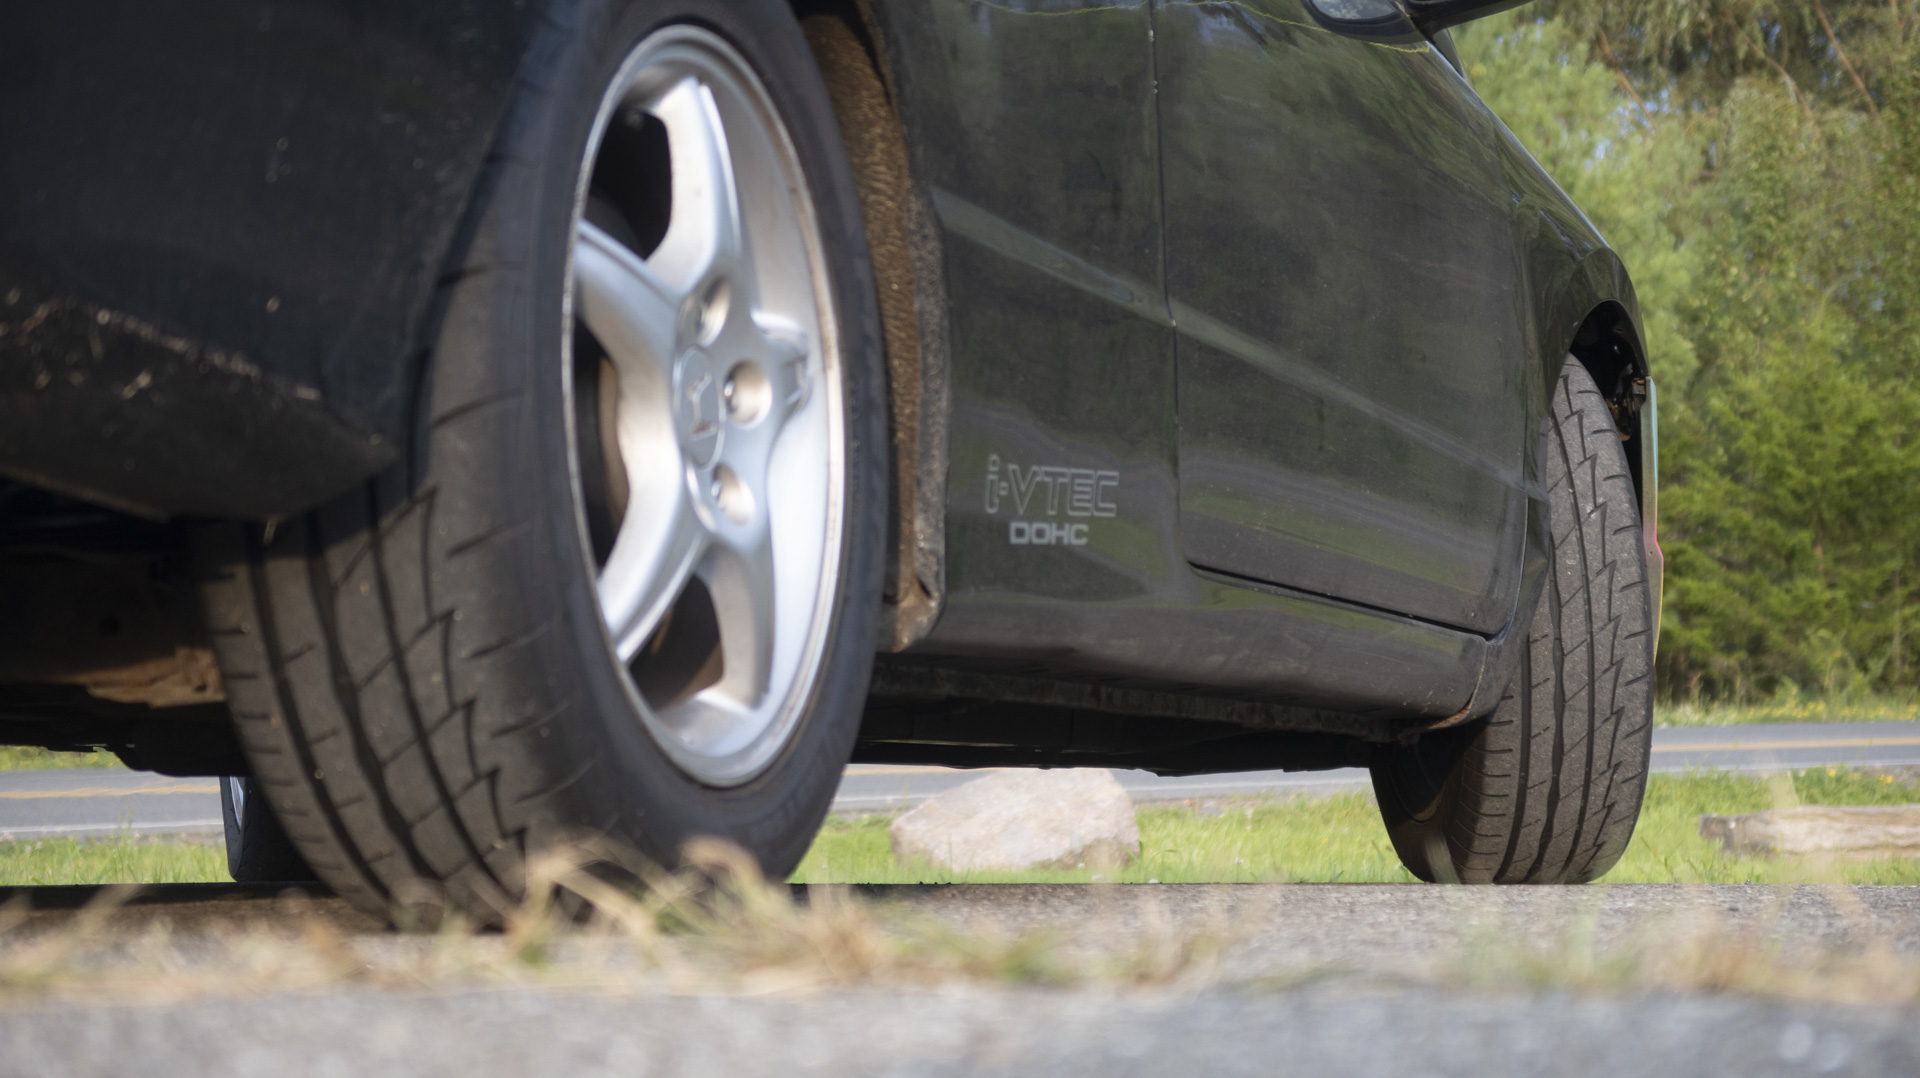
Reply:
x=1310, y=979
x=882, y=788
x=92, y=803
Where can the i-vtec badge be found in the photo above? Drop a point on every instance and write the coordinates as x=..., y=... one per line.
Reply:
x=1073, y=492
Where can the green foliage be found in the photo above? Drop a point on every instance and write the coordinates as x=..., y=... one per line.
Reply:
x=1757, y=165
x=1828, y=52
x=1789, y=706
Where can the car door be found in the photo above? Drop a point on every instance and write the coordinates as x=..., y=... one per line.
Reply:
x=1343, y=279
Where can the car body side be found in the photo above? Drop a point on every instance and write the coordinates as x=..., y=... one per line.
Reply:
x=223, y=235
x=1036, y=142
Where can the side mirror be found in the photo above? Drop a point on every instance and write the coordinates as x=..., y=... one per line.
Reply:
x=1400, y=20
x=1433, y=16
x=1368, y=20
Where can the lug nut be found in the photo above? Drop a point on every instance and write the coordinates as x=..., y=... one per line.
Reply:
x=745, y=393
x=712, y=311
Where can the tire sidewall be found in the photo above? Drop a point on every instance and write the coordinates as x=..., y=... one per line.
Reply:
x=1415, y=785
x=235, y=829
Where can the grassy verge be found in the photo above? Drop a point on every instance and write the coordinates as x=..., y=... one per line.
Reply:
x=1667, y=847
x=28, y=758
x=1339, y=838
x=1326, y=839
x=47, y=862
x=1789, y=709
x=1336, y=838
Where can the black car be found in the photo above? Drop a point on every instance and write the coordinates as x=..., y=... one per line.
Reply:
x=480, y=424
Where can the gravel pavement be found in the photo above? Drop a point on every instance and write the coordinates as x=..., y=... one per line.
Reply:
x=1328, y=1031
x=1314, y=979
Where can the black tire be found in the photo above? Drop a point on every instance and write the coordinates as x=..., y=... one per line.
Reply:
x=419, y=671
x=258, y=849
x=1547, y=788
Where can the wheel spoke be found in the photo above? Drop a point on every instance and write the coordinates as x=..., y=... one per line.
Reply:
x=738, y=572
x=629, y=308
x=785, y=347
x=660, y=542
x=703, y=235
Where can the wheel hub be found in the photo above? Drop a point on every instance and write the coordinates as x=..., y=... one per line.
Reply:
x=696, y=407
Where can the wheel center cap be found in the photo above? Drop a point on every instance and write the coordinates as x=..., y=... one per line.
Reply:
x=696, y=406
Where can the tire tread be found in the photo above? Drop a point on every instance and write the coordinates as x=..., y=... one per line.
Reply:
x=1548, y=788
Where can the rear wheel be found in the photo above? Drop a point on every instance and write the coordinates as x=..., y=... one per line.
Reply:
x=258, y=849
x=1547, y=788
x=626, y=584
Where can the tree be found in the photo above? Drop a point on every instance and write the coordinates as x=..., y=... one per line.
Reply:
x=1757, y=165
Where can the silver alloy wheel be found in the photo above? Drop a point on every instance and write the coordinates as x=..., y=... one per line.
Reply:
x=716, y=411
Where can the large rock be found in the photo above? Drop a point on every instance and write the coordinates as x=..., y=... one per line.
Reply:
x=1864, y=833
x=1023, y=818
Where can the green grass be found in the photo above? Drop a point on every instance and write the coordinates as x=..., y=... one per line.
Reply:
x=28, y=758
x=1339, y=838
x=44, y=862
x=1667, y=847
x=1789, y=708
x=1328, y=838
x=1336, y=838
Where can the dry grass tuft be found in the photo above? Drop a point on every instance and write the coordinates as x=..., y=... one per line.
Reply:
x=1703, y=952
x=719, y=921
x=716, y=925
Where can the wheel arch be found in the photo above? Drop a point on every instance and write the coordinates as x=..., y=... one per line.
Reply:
x=1587, y=309
x=1608, y=344
x=1598, y=318
x=903, y=240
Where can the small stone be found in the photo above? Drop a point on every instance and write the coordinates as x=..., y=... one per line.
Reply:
x=1023, y=818
x=1862, y=833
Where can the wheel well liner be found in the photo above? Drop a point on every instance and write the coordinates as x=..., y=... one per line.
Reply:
x=1608, y=345
x=903, y=239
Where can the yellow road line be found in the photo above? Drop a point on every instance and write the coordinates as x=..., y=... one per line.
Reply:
x=1749, y=746
x=111, y=791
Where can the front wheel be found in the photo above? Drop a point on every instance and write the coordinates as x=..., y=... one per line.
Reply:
x=625, y=587
x=1547, y=788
